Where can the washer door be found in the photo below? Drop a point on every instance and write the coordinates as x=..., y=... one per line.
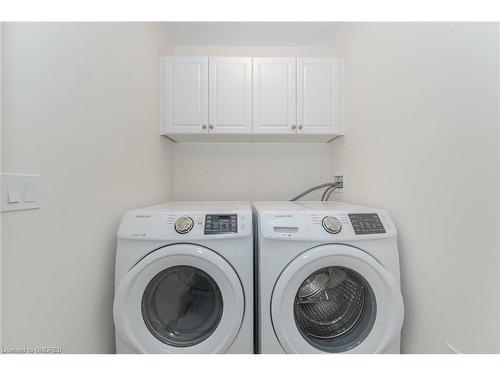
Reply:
x=179, y=299
x=336, y=299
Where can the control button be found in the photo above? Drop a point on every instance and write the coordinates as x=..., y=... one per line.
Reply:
x=332, y=224
x=183, y=224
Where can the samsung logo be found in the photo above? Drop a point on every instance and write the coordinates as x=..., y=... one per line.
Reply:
x=142, y=216
x=283, y=216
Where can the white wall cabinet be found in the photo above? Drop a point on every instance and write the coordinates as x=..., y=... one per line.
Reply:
x=274, y=95
x=230, y=95
x=206, y=96
x=319, y=95
x=184, y=95
x=243, y=99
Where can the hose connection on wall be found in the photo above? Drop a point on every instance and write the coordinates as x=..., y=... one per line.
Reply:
x=329, y=189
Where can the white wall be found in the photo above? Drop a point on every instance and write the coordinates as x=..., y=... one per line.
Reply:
x=254, y=51
x=80, y=107
x=422, y=141
x=249, y=171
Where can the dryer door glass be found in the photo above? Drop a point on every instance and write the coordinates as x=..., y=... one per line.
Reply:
x=334, y=309
x=182, y=306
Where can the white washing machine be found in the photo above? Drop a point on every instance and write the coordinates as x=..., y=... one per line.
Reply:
x=184, y=279
x=328, y=279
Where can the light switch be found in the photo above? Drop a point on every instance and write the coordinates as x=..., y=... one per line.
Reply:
x=14, y=191
x=29, y=197
x=30, y=192
x=20, y=191
x=14, y=197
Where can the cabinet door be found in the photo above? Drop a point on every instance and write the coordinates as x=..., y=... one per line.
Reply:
x=274, y=95
x=318, y=95
x=184, y=94
x=230, y=98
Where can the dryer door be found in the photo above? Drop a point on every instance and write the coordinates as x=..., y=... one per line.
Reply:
x=181, y=298
x=336, y=299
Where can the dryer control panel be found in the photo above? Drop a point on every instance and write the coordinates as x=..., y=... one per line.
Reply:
x=218, y=224
x=185, y=226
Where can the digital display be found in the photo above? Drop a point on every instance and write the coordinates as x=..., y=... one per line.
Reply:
x=220, y=224
x=366, y=224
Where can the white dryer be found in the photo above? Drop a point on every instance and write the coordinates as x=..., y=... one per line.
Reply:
x=328, y=279
x=184, y=279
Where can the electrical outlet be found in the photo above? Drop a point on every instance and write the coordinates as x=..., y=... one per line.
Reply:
x=339, y=180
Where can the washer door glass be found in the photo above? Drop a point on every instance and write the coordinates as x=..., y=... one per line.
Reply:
x=182, y=306
x=334, y=309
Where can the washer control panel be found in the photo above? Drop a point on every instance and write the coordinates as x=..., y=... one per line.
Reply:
x=366, y=223
x=316, y=223
x=220, y=224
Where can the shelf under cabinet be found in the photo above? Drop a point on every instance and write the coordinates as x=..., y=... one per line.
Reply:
x=252, y=138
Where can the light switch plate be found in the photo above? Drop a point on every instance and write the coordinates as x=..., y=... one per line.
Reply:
x=20, y=191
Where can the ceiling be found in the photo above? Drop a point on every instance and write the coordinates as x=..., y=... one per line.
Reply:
x=252, y=33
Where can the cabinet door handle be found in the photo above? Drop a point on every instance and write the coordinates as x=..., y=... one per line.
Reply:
x=294, y=127
x=211, y=126
x=203, y=126
x=301, y=126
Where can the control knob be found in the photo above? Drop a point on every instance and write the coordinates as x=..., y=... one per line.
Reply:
x=183, y=224
x=332, y=224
